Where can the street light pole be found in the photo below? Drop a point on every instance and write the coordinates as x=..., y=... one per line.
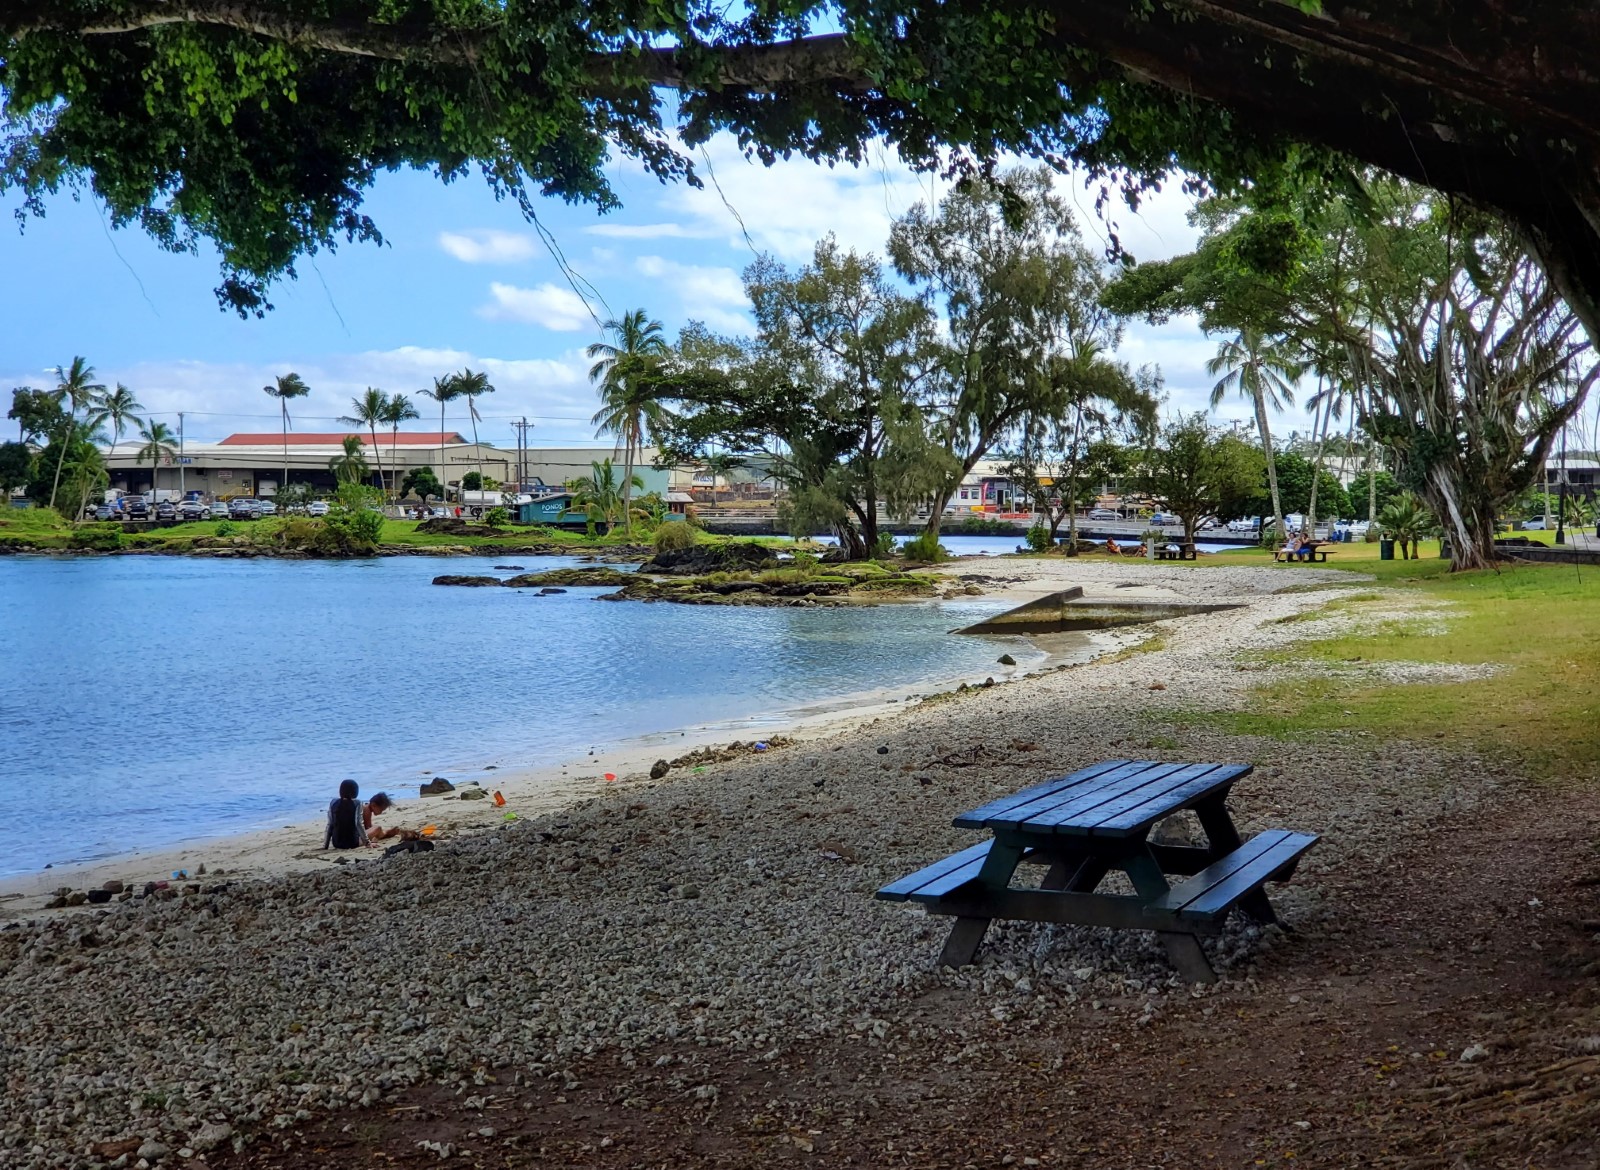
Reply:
x=180, y=455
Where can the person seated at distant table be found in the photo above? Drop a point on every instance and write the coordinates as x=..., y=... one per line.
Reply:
x=1307, y=547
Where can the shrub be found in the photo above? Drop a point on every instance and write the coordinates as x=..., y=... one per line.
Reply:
x=1039, y=538
x=96, y=539
x=884, y=549
x=226, y=528
x=925, y=547
x=496, y=518
x=979, y=526
x=784, y=577
x=673, y=536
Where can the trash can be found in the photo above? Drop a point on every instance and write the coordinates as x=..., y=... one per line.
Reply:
x=1386, y=549
x=1444, y=548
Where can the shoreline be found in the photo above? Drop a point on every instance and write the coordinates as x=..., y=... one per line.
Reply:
x=533, y=791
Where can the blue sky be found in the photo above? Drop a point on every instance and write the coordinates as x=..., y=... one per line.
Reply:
x=464, y=280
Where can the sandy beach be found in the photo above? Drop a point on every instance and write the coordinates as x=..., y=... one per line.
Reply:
x=716, y=915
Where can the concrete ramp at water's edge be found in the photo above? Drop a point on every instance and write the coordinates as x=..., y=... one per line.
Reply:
x=1071, y=610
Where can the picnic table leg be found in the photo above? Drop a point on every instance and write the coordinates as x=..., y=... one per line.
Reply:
x=966, y=935
x=1183, y=948
x=1223, y=837
x=1077, y=872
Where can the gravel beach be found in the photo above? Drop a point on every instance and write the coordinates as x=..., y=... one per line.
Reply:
x=728, y=910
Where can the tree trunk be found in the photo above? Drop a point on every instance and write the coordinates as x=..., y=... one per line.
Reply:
x=630, y=434
x=1372, y=483
x=1465, y=515
x=1316, y=463
x=377, y=453
x=1272, y=464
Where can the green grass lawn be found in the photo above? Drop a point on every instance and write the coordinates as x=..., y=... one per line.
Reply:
x=1537, y=625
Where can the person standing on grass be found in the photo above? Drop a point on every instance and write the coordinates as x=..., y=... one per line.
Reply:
x=346, y=816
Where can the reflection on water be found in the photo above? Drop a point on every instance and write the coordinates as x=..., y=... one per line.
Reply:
x=149, y=700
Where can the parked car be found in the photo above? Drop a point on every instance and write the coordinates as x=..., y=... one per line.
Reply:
x=219, y=509
x=1104, y=514
x=266, y=508
x=135, y=508
x=1163, y=518
x=107, y=512
x=1244, y=524
x=1534, y=525
x=166, y=510
x=193, y=510
x=317, y=508
x=244, y=508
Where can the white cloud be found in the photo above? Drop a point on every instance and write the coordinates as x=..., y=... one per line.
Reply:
x=713, y=295
x=549, y=305
x=489, y=247
x=647, y=231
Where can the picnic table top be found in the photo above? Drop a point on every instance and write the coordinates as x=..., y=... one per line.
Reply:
x=1114, y=798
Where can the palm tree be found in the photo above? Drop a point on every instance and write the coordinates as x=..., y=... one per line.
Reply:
x=283, y=388
x=629, y=403
x=368, y=411
x=1405, y=518
x=76, y=386
x=469, y=385
x=444, y=390
x=119, y=407
x=1261, y=370
x=159, y=443
x=598, y=495
x=351, y=466
x=398, y=410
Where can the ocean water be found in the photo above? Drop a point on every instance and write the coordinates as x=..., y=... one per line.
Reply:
x=146, y=701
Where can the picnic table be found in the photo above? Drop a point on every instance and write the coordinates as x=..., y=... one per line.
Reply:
x=1083, y=826
x=1177, y=552
x=1317, y=550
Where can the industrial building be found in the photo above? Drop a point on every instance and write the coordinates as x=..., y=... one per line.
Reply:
x=255, y=464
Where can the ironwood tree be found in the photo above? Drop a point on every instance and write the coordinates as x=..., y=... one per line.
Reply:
x=259, y=124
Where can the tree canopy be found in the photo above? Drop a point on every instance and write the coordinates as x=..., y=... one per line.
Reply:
x=261, y=124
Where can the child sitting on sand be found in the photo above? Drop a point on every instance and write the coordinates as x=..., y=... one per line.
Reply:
x=381, y=803
x=346, y=819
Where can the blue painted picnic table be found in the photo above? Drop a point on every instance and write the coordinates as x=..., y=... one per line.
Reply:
x=1099, y=819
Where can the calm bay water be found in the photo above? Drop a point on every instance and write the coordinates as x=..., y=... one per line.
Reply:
x=146, y=701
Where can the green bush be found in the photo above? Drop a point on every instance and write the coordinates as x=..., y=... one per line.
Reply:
x=884, y=549
x=1039, y=538
x=226, y=528
x=925, y=547
x=784, y=577
x=673, y=536
x=496, y=518
x=979, y=526
x=96, y=538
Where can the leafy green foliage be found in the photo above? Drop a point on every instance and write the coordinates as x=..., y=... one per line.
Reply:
x=673, y=536
x=1200, y=470
x=422, y=483
x=16, y=467
x=925, y=546
x=472, y=481
x=497, y=517
x=1040, y=539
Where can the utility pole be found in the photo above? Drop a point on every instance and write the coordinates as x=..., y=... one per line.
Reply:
x=522, y=426
x=180, y=455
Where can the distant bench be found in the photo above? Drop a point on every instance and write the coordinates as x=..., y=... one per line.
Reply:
x=1096, y=820
x=1177, y=552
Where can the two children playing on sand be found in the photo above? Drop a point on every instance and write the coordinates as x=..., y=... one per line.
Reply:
x=350, y=821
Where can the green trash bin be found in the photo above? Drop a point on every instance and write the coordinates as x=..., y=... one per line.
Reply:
x=1386, y=549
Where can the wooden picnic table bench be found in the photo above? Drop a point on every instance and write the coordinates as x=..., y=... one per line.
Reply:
x=1177, y=552
x=1094, y=821
x=1318, y=552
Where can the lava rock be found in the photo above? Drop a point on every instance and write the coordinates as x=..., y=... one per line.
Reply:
x=455, y=579
x=438, y=786
x=659, y=769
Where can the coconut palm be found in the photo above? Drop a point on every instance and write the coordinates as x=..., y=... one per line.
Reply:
x=119, y=409
x=445, y=389
x=1261, y=369
x=283, y=388
x=396, y=411
x=159, y=443
x=469, y=385
x=76, y=387
x=630, y=403
x=351, y=465
x=599, y=496
x=368, y=411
